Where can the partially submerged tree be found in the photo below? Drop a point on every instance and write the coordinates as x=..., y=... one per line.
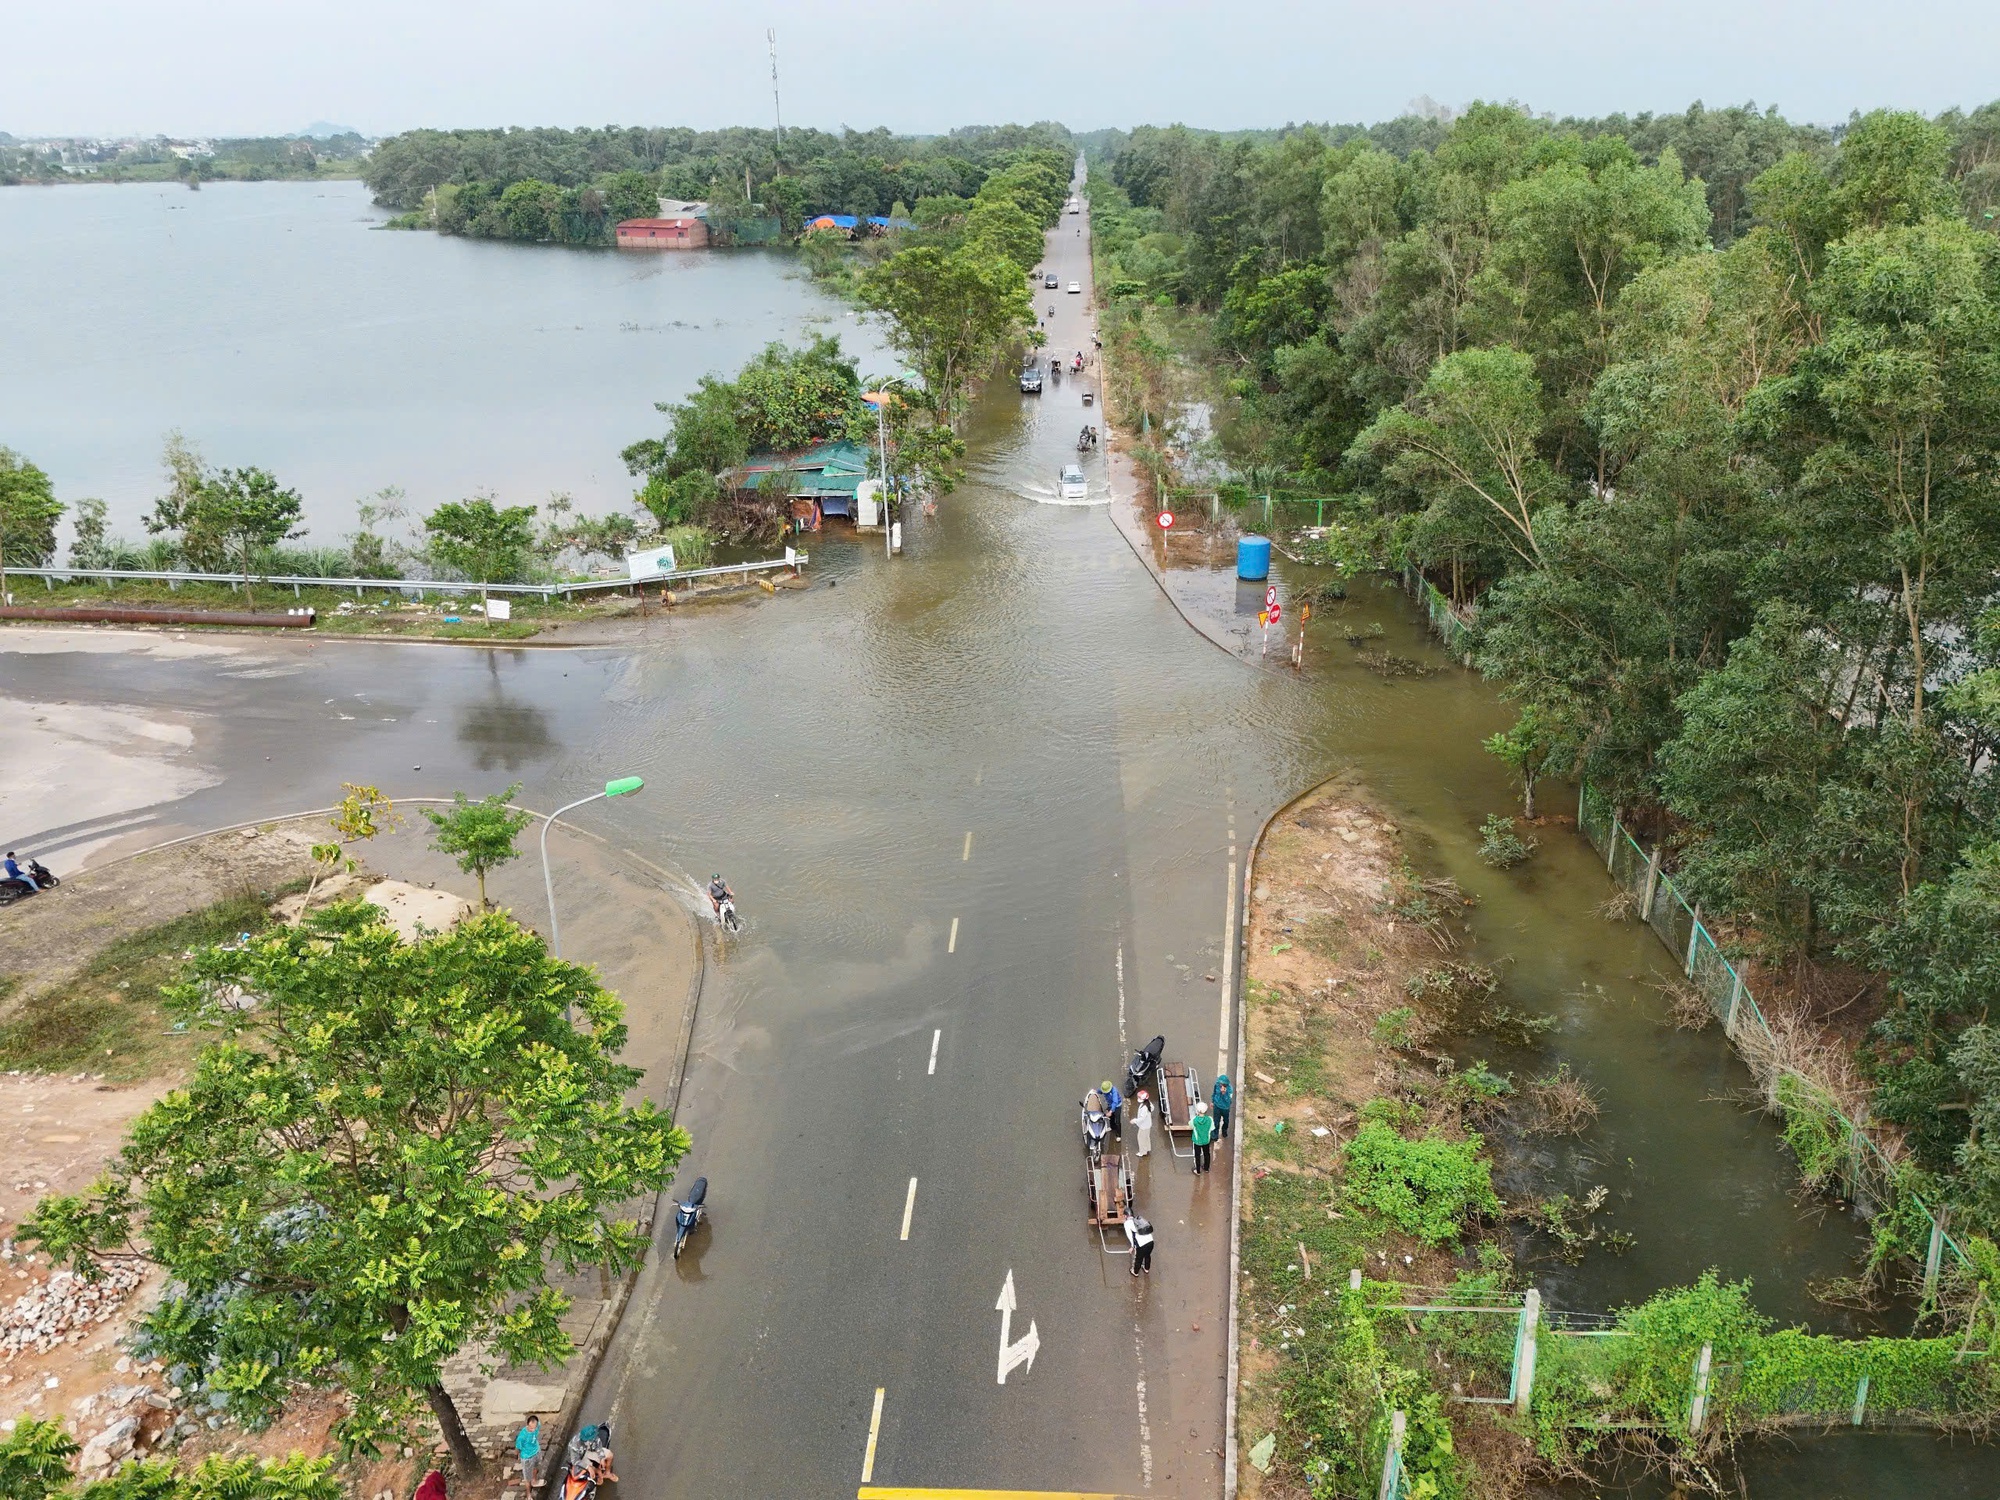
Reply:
x=388, y=1158
x=480, y=835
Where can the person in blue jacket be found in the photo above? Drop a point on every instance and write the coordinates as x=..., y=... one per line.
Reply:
x=1114, y=1104
x=1223, y=1098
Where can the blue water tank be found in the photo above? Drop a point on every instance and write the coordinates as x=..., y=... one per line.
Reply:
x=1253, y=558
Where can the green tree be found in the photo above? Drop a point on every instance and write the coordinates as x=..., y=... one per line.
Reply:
x=1525, y=749
x=390, y=1156
x=948, y=311
x=481, y=541
x=29, y=511
x=480, y=835
x=243, y=512
x=1466, y=446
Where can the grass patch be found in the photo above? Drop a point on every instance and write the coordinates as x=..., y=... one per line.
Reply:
x=110, y=1018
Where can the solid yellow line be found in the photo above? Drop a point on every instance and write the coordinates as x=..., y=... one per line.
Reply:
x=874, y=1432
x=951, y=944
x=899, y=1492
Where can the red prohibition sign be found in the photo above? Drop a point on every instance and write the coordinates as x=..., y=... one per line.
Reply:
x=1166, y=520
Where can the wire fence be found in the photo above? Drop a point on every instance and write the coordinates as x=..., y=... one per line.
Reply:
x=1834, y=1148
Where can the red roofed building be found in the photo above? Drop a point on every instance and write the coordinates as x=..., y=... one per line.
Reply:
x=684, y=233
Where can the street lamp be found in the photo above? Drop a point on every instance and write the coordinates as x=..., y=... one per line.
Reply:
x=623, y=786
x=880, y=401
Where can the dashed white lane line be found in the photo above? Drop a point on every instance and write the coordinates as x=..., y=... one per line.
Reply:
x=909, y=1207
x=951, y=943
x=936, y=1037
x=1123, y=1045
x=874, y=1433
x=968, y=847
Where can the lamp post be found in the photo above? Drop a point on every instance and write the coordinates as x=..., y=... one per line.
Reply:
x=622, y=787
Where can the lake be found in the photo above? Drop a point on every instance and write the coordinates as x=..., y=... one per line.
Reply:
x=277, y=324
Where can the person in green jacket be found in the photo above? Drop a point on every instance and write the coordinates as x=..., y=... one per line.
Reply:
x=1204, y=1136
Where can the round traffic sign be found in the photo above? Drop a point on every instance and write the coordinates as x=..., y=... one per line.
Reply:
x=1166, y=519
x=1270, y=596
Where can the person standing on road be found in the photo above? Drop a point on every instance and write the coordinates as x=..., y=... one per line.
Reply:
x=1114, y=1104
x=1204, y=1136
x=1223, y=1097
x=1140, y=1233
x=528, y=1447
x=1142, y=1121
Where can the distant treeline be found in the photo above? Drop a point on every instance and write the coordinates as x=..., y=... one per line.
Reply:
x=573, y=186
x=238, y=159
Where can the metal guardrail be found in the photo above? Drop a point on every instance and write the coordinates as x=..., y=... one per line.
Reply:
x=417, y=586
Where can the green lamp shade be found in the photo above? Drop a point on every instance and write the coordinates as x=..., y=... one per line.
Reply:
x=623, y=785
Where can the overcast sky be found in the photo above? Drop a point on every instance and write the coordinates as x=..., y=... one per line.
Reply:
x=248, y=67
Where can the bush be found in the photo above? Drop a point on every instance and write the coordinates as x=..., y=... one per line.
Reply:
x=1500, y=846
x=1429, y=1188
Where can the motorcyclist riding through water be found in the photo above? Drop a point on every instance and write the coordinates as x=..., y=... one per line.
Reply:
x=719, y=892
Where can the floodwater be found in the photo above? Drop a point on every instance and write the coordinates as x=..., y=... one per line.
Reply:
x=981, y=804
x=275, y=325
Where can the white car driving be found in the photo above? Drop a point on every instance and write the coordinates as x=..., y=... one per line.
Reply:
x=1076, y=286
x=1072, y=485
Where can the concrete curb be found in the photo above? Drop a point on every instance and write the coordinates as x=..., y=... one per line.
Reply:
x=1229, y=1444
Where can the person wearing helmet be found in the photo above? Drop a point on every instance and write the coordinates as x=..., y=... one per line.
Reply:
x=1114, y=1103
x=1204, y=1136
x=719, y=892
x=1142, y=1121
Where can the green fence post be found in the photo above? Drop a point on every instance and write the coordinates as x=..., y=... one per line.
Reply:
x=1860, y=1401
x=1735, y=999
x=1611, y=845
x=1694, y=936
x=1524, y=1352
x=1698, y=1408
x=1392, y=1461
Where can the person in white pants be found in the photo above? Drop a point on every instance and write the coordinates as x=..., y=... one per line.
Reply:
x=1142, y=1121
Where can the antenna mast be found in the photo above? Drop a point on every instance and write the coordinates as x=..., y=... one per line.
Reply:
x=777, y=113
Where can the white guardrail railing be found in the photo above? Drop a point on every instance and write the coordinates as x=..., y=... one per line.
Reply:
x=416, y=586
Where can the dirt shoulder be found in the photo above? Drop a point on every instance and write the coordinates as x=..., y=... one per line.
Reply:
x=1342, y=936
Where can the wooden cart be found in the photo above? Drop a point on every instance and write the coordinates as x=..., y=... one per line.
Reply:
x=1180, y=1091
x=1107, y=1185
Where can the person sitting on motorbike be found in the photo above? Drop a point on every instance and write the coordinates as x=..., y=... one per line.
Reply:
x=719, y=892
x=15, y=872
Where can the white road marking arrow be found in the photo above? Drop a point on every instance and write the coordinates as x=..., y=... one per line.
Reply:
x=1022, y=1353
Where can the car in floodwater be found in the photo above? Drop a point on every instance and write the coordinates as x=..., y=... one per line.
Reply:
x=1072, y=485
x=1031, y=378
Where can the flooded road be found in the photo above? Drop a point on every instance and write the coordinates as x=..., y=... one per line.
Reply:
x=980, y=805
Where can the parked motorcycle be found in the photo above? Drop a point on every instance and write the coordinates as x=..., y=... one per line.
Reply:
x=12, y=890
x=1145, y=1062
x=688, y=1212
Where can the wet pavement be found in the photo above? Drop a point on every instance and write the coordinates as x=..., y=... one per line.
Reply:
x=980, y=804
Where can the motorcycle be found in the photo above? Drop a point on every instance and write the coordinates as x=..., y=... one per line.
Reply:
x=12, y=890
x=587, y=1462
x=688, y=1213
x=1096, y=1126
x=725, y=913
x=1145, y=1062
x=1076, y=366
